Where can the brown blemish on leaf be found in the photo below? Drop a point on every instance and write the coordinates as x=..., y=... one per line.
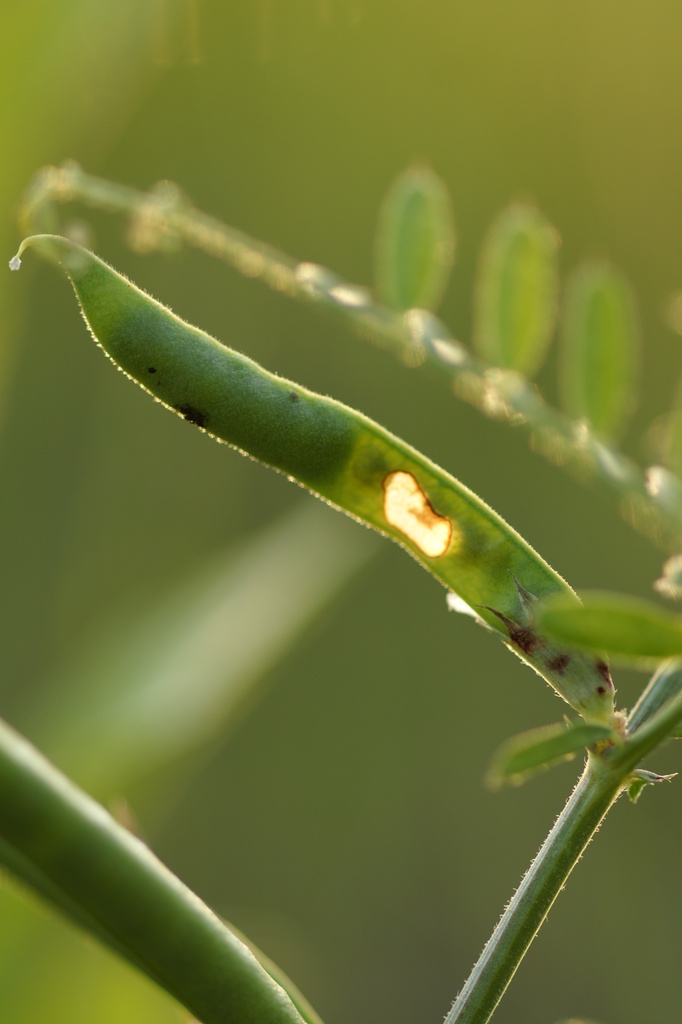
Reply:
x=407, y=508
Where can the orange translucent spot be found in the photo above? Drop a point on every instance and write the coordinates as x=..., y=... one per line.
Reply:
x=407, y=508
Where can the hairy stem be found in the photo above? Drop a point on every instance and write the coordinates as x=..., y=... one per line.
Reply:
x=594, y=794
x=605, y=777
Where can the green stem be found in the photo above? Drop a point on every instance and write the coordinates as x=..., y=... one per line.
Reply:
x=653, y=731
x=66, y=846
x=594, y=794
x=663, y=687
x=602, y=781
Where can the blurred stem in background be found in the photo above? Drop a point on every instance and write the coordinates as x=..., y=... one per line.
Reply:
x=176, y=675
x=163, y=219
x=154, y=688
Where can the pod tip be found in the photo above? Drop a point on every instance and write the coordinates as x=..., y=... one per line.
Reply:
x=15, y=262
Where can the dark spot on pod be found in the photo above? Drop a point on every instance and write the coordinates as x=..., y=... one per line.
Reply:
x=293, y=396
x=559, y=663
x=151, y=369
x=192, y=415
x=603, y=670
x=525, y=638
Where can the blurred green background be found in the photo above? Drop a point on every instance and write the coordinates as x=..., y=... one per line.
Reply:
x=339, y=820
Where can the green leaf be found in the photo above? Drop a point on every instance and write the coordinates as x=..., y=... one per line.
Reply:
x=415, y=241
x=538, y=749
x=516, y=290
x=622, y=626
x=635, y=789
x=600, y=345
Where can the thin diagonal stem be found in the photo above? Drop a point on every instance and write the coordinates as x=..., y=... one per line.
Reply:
x=602, y=781
x=594, y=794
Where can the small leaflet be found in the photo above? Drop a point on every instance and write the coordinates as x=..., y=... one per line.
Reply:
x=415, y=241
x=538, y=749
x=600, y=348
x=516, y=290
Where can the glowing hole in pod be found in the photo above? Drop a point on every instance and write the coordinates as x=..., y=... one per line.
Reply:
x=407, y=508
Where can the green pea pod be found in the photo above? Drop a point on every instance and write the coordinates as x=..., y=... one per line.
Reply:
x=600, y=344
x=516, y=290
x=415, y=241
x=340, y=455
